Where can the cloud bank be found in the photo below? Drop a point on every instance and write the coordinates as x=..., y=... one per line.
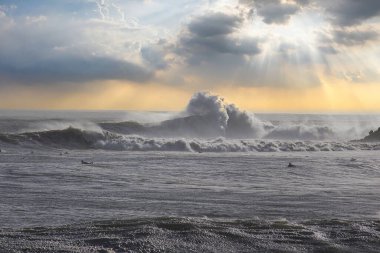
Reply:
x=270, y=43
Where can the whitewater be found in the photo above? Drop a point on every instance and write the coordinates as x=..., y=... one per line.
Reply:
x=210, y=178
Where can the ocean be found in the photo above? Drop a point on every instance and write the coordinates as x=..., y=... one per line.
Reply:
x=188, y=181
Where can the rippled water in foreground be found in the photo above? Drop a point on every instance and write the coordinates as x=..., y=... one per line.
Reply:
x=178, y=201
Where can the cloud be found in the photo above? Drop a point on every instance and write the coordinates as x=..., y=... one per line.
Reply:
x=227, y=55
x=333, y=41
x=354, y=77
x=328, y=49
x=47, y=50
x=154, y=58
x=341, y=12
x=72, y=69
x=351, y=12
x=213, y=48
x=252, y=43
x=211, y=36
x=274, y=11
x=354, y=38
x=214, y=24
x=155, y=55
x=277, y=13
x=30, y=20
x=303, y=2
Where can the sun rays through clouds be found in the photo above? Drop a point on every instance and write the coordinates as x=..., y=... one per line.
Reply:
x=275, y=45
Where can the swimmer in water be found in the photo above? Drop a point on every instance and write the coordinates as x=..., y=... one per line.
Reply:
x=84, y=162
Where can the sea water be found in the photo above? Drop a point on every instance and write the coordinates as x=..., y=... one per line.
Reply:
x=185, y=190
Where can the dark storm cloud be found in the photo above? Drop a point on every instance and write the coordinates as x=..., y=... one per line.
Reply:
x=215, y=24
x=220, y=54
x=72, y=69
x=274, y=11
x=204, y=48
x=277, y=13
x=351, y=12
x=341, y=12
x=332, y=40
x=196, y=46
x=354, y=38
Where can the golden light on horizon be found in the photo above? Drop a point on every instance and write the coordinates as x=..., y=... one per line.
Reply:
x=338, y=97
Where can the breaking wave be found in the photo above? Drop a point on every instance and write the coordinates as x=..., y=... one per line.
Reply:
x=66, y=138
x=73, y=138
x=210, y=116
x=301, y=132
x=208, y=124
x=227, y=119
x=206, y=116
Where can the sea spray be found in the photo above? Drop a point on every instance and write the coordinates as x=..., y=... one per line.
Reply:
x=228, y=119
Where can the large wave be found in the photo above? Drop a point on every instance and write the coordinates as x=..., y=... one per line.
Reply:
x=206, y=115
x=72, y=138
x=66, y=138
x=227, y=119
x=210, y=116
x=208, y=124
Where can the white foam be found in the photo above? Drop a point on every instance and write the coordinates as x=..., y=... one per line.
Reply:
x=221, y=144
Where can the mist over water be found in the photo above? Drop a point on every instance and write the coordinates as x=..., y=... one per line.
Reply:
x=225, y=119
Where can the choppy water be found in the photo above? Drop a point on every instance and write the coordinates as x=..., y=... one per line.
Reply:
x=197, y=202
x=188, y=183
x=198, y=235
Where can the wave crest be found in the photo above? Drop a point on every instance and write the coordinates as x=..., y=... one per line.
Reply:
x=227, y=118
x=72, y=138
x=67, y=138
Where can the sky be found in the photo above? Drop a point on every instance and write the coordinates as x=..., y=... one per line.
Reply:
x=262, y=55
